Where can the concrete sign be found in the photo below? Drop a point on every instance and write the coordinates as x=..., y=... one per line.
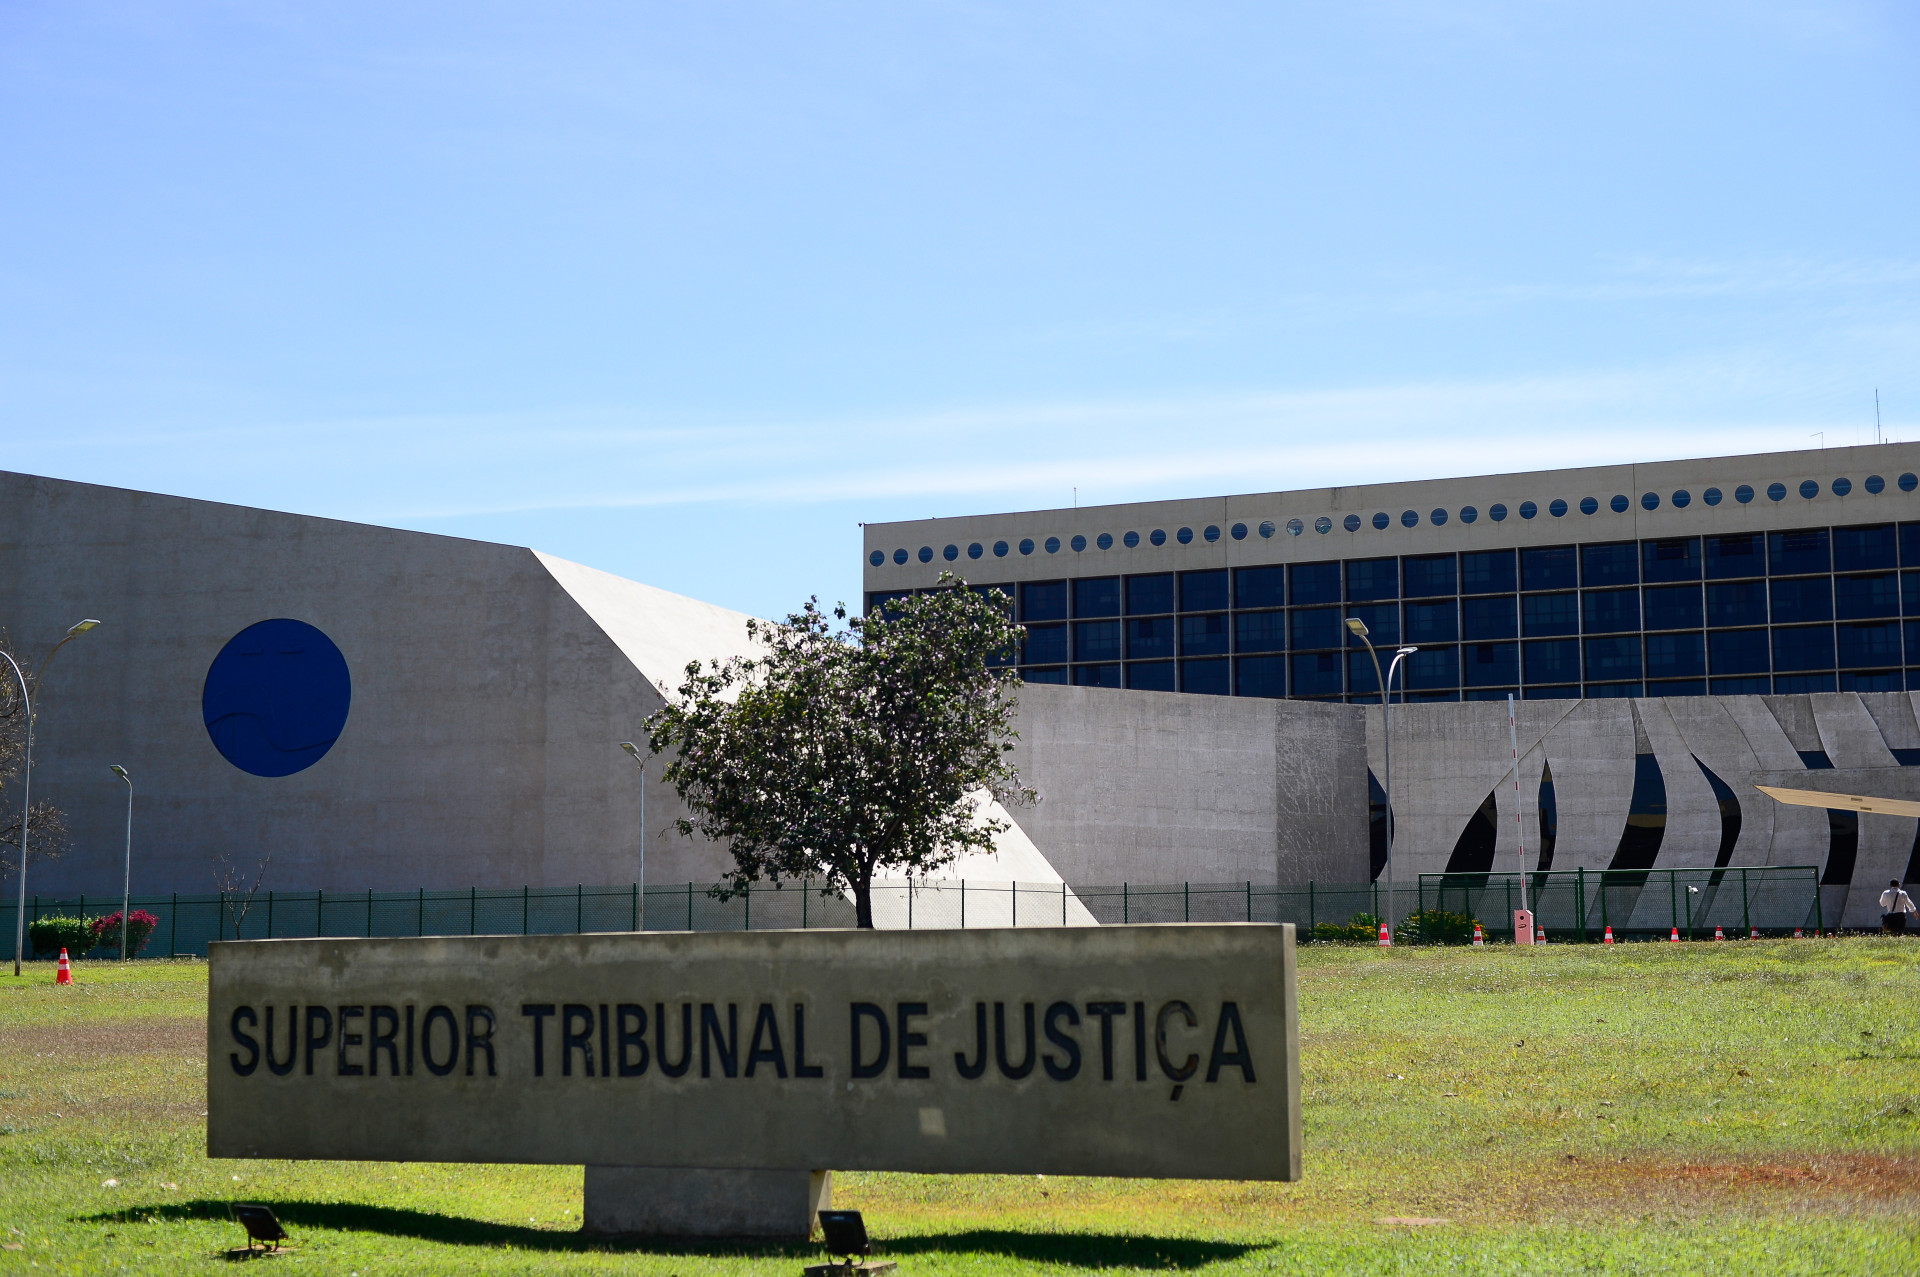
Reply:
x=1137, y=1051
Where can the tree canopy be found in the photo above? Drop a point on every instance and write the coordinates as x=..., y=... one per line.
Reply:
x=843, y=754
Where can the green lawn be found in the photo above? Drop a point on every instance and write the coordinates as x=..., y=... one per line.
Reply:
x=1749, y=1107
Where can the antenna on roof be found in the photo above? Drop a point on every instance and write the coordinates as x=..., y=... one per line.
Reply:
x=1876, y=414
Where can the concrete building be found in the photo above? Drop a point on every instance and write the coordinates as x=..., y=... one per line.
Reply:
x=1674, y=633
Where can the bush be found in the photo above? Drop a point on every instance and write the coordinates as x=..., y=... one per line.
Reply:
x=1364, y=928
x=106, y=931
x=52, y=934
x=1436, y=926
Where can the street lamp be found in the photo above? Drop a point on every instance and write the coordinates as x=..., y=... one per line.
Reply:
x=26, y=785
x=126, y=881
x=1359, y=629
x=640, y=760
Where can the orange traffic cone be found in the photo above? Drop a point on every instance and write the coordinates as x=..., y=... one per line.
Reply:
x=1719, y=934
x=1479, y=937
x=1797, y=935
x=1675, y=937
x=1753, y=933
x=1609, y=936
x=1386, y=940
x=1539, y=935
x=66, y=972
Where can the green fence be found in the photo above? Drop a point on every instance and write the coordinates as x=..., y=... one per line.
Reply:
x=1580, y=904
x=1575, y=905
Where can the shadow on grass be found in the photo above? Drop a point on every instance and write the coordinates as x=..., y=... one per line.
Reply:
x=1077, y=1250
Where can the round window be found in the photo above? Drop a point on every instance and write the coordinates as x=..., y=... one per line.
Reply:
x=1589, y=506
x=1323, y=525
x=1439, y=518
x=1295, y=527
x=1528, y=509
x=1239, y=531
x=1104, y=540
x=1212, y=532
x=975, y=550
x=1267, y=529
x=1026, y=545
x=951, y=553
x=1681, y=499
x=1130, y=540
x=926, y=554
x=1053, y=545
x=1875, y=484
x=1381, y=520
x=1711, y=496
x=1409, y=518
x=1809, y=489
x=1909, y=481
x=1351, y=523
x=877, y=557
x=1743, y=493
x=1648, y=500
x=1078, y=543
x=1841, y=487
x=1776, y=492
x=900, y=556
x=1184, y=536
x=1497, y=512
x=1468, y=514
x=999, y=549
x=1557, y=507
x=276, y=698
x=1159, y=537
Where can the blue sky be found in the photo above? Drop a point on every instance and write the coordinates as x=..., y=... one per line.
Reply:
x=687, y=291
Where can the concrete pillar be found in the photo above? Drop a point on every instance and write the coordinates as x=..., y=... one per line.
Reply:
x=677, y=1201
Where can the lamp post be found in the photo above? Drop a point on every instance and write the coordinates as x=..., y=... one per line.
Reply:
x=1359, y=629
x=26, y=785
x=640, y=761
x=126, y=880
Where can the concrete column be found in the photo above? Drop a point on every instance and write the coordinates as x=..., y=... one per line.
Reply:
x=677, y=1201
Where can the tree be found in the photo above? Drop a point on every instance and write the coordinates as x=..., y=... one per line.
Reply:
x=47, y=823
x=840, y=754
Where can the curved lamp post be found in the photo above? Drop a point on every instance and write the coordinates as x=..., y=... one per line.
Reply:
x=26, y=786
x=640, y=760
x=1359, y=629
x=126, y=880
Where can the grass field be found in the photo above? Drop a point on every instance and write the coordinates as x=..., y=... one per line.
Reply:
x=1749, y=1107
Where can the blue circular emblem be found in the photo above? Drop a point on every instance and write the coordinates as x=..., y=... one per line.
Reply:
x=276, y=698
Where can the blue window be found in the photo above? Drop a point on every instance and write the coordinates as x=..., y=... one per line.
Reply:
x=1360, y=678
x=1910, y=545
x=1528, y=509
x=1433, y=667
x=1203, y=591
x=1589, y=505
x=1875, y=484
x=1869, y=645
x=1809, y=489
x=1149, y=594
x=1373, y=579
x=1212, y=533
x=1613, y=658
x=1096, y=675
x=1150, y=637
x=1857, y=549
x=1315, y=673
x=1131, y=540
x=1882, y=681
x=1045, y=645
x=1742, y=686
x=1651, y=500
x=1259, y=587
x=1203, y=635
x=1468, y=514
x=1543, y=614
x=1026, y=545
x=1738, y=554
x=1158, y=536
x=877, y=557
x=1910, y=592
x=1058, y=674
x=1043, y=601
x=1743, y=493
x=1497, y=512
x=1808, y=599
x=1676, y=655
x=1351, y=523
x=1238, y=531
x=1184, y=536
x=1805, y=648
x=1792, y=553
x=1610, y=611
x=1433, y=622
x=1681, y=499
x=1261, y=676
x=1151, y=676
x=1104, y=541
x=1571, y=692
x=1791, y=683
x=1675, y=559
x=1776, y=492
x=1096, y=641
x=881, y=598
x=1742, y=603
x=1683, y=687
x=1842, y=486
x=1259, y=631
x=1551, y=567
x=1616, y=564
x=1096, y=596
x=1913, y=640
x=1380, y=520
x=1907, y=482
x=1439, y=518
x=1428, y=574
x=1612, y=691
x=1317, y=627
x=999, y=549
x=1490, y=664
x=1209, y=678
x=1493, y=618
x=1382, y=621
x=975, y=550
x=926, y=554
x=1711, y=496
x=1409, y=518
x=1487, y=572
x=1314, y=583
x=1859, y=597
x=1557, y=661
x=1674, y=607
x=1737, y=652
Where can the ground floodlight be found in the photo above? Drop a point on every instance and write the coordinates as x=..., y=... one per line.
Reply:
x=260, y=1224
x=1357, y=625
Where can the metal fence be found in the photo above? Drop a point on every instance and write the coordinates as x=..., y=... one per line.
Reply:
x=1574, y=905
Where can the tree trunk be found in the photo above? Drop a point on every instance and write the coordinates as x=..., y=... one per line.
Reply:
x=863, y=900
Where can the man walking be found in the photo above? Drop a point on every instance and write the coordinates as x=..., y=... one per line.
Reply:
x=1895, y=905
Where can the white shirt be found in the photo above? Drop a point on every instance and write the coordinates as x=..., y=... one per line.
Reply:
x=1894, y=900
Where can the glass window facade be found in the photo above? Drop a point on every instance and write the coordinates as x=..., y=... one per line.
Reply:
x=1738, y=613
